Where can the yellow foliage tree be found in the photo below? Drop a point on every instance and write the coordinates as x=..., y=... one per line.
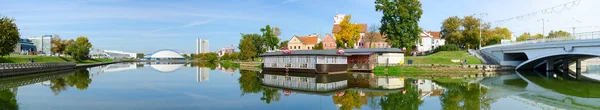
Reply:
x=349, y=33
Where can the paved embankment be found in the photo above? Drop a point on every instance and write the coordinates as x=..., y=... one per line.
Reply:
x=488, y=68
x=14, y=69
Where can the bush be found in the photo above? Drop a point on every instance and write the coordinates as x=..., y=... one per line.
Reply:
x=447, y=48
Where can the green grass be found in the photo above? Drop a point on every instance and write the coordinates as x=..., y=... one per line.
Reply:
x=421, y=71
x=444, y=57
x=25, y=59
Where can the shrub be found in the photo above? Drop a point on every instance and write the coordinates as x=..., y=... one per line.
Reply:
x=447, y=48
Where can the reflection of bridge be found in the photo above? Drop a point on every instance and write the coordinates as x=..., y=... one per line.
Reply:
x=17, y=81
x=541, y=92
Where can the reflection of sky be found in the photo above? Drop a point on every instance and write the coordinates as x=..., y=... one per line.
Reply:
x=146, y=88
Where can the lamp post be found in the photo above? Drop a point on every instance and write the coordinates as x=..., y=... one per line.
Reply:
x=480, y=26
x=543, y=25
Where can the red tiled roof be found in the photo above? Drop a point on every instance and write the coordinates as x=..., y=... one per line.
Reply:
x=434, y=34
x=309, y=40
x=337, y=28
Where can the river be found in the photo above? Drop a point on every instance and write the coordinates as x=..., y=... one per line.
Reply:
x=150, y=86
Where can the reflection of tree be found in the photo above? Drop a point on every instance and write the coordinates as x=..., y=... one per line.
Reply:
x=210, y=65
x=250, y=84
x=464, y=96
x=81, y=79
x=270, y=95
x=350, y=99
x=409, y=100
x=8, y=100
x=58, y=85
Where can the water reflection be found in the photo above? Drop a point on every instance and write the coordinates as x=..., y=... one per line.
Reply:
x=265, y=90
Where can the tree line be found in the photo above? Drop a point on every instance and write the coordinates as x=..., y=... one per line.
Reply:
x=469, y=32
x=9, y=38
x=252, y=45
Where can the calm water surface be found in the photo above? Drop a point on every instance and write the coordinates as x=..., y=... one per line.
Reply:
x=188, y=86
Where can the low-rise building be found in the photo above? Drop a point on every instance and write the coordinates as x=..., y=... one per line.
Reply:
x=25, y=46
x=303, y=42
x=377, y=41
x=43, y=44
x=329, y=42
x=226, y=50
x=430, y=40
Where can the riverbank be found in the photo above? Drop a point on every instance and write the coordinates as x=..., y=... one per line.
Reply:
x=439, y=70
x=43, y=59
x=444, y=57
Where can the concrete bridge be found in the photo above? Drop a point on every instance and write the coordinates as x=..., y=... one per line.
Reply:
x=546, y=54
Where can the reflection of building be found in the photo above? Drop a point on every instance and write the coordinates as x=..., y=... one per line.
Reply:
x=387, y=82
x=225, y=70
x=428, y=88
x=166, y=67
x=201, y=46
x=42, y=43
x=119, y=67
x=202, y=74
x=298, y=81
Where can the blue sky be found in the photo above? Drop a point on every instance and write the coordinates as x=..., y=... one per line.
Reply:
x=151, y=25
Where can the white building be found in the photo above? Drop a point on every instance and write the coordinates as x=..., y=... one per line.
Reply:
x=202, y=74
x=201, y=46
x=42, y=44
x=119, y=54
x=429, y=41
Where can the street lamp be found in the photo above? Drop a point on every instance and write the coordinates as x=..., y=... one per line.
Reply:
x=543, y=26
x=480, y=26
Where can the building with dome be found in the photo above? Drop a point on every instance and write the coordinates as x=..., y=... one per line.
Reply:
x=165, y=55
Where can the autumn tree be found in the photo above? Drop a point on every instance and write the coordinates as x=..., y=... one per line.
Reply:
x=247, y=46
x=493, y=36
x=349, y=33
x=58, y=45
x=372, y=35
x=399, y=22
x=471, y=26
x=559, y=33
x=9, y=36
x=450, y=30
x=527, y=35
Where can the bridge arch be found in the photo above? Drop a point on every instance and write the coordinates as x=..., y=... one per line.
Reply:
x=541, y=60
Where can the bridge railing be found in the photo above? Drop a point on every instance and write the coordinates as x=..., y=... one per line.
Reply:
x=576, y=36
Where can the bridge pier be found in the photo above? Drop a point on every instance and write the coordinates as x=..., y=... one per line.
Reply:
x=578, y=68
x=549, y=64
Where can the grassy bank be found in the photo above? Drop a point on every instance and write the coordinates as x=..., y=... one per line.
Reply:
x=26, y=58
x=422, y=71
x=444, y=57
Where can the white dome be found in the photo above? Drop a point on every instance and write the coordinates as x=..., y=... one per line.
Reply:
x=166, y=67
x=166, y=54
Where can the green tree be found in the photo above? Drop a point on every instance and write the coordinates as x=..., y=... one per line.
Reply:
x=225, y=56
x=527, y=35
x=79, y=49
x=464, y=96
x=372, y=35
x=9, y=36
x=8, y=100
x=249, y=82
x=400, y=21
x=269, y=37
x=471, y=26
x=558, y=34
x=269, y=94
x=349, y=33
x=210, y=57
x=284, y=44
x=450, y=30
x=139, y=55
x=247, y=47
x=493, y=36
x=409, y=100
x=318, y=46
x=235, y=56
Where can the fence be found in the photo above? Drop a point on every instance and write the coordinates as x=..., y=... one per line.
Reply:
x=478, y=67
x=12, y=69
x=576, y=36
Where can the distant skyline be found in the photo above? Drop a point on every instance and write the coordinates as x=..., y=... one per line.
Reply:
x=148, y=26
